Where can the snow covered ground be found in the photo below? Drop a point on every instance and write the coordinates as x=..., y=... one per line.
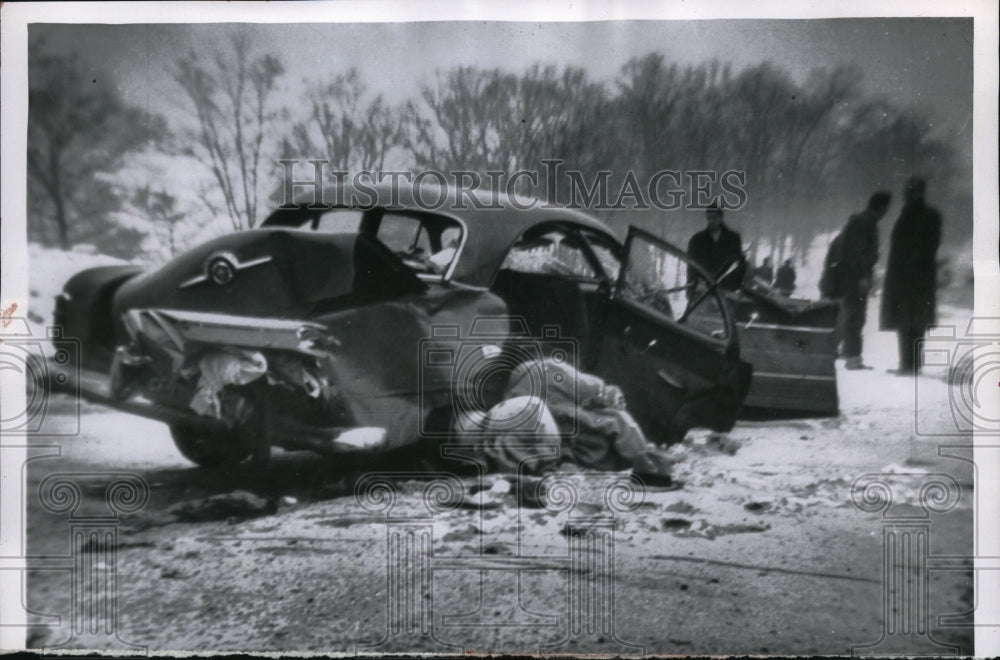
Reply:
x=762, y=534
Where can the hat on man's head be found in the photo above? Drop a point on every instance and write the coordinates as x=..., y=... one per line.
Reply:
x=879, y=199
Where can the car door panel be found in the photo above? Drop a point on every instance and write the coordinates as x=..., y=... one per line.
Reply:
x=663, y=352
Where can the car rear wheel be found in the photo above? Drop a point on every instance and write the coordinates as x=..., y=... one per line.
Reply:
x=248, y=413
x=209, y=450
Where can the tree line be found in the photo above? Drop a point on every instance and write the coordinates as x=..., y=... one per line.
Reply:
x=811, y=150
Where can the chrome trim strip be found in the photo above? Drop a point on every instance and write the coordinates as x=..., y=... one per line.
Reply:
x=770, y=374
x=194, y=280
x=794, y=328
x=253, y=262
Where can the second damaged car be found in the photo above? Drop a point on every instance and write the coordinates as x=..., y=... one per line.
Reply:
x=387, y=316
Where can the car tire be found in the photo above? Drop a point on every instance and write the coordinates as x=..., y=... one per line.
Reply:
x=208, y=450
x=248, y=412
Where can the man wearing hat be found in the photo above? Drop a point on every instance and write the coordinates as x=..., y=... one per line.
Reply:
x=715, y=248
x=908, y=293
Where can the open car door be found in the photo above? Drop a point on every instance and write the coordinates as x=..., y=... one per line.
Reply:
x=671, y=347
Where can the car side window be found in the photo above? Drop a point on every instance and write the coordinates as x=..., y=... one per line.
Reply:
x=339, y=221
x=404, y=235
x=553, y=252
x=426, y=243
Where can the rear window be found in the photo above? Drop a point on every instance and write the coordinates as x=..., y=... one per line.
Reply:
x=338, y=221
x=426, y=243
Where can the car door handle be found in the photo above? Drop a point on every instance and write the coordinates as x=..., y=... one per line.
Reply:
x=667, y=378
x=627, y=333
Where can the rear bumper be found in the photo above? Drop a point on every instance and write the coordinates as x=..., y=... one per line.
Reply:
x=95, y=387
x=285, y=432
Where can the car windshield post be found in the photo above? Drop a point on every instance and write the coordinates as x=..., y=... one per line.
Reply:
x=594, y=245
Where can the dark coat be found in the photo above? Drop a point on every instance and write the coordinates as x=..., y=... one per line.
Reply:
x=908, y=292
x=785, y=281
x=859, y=252
x=716, y=256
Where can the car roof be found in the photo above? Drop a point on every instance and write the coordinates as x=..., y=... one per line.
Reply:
x=490, y=231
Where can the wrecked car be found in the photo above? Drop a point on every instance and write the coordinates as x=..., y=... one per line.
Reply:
x=389, y=316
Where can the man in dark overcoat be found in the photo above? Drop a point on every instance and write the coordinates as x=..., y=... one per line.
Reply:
x=859, y=254
x=909, y=290
x=784, y=280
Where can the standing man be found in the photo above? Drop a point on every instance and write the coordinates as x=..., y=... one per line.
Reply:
x=909, y=290
x=764, y=272
x=859, y=250
x=715, y=249
x=784, y=282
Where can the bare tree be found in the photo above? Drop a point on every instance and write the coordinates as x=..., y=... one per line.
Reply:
x=649, y=95
x=160, y=209
x=80, y=132
x=488, y=120
x=460, y=128
x=557, y=114
x=233, y=97
x=342, y=128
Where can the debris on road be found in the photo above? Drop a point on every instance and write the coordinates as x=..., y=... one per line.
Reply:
x=237, y=505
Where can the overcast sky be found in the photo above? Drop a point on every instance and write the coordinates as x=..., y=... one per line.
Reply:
x=922, y=63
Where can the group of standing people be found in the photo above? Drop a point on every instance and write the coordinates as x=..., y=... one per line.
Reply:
x=908, y=290
x=783, y=282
